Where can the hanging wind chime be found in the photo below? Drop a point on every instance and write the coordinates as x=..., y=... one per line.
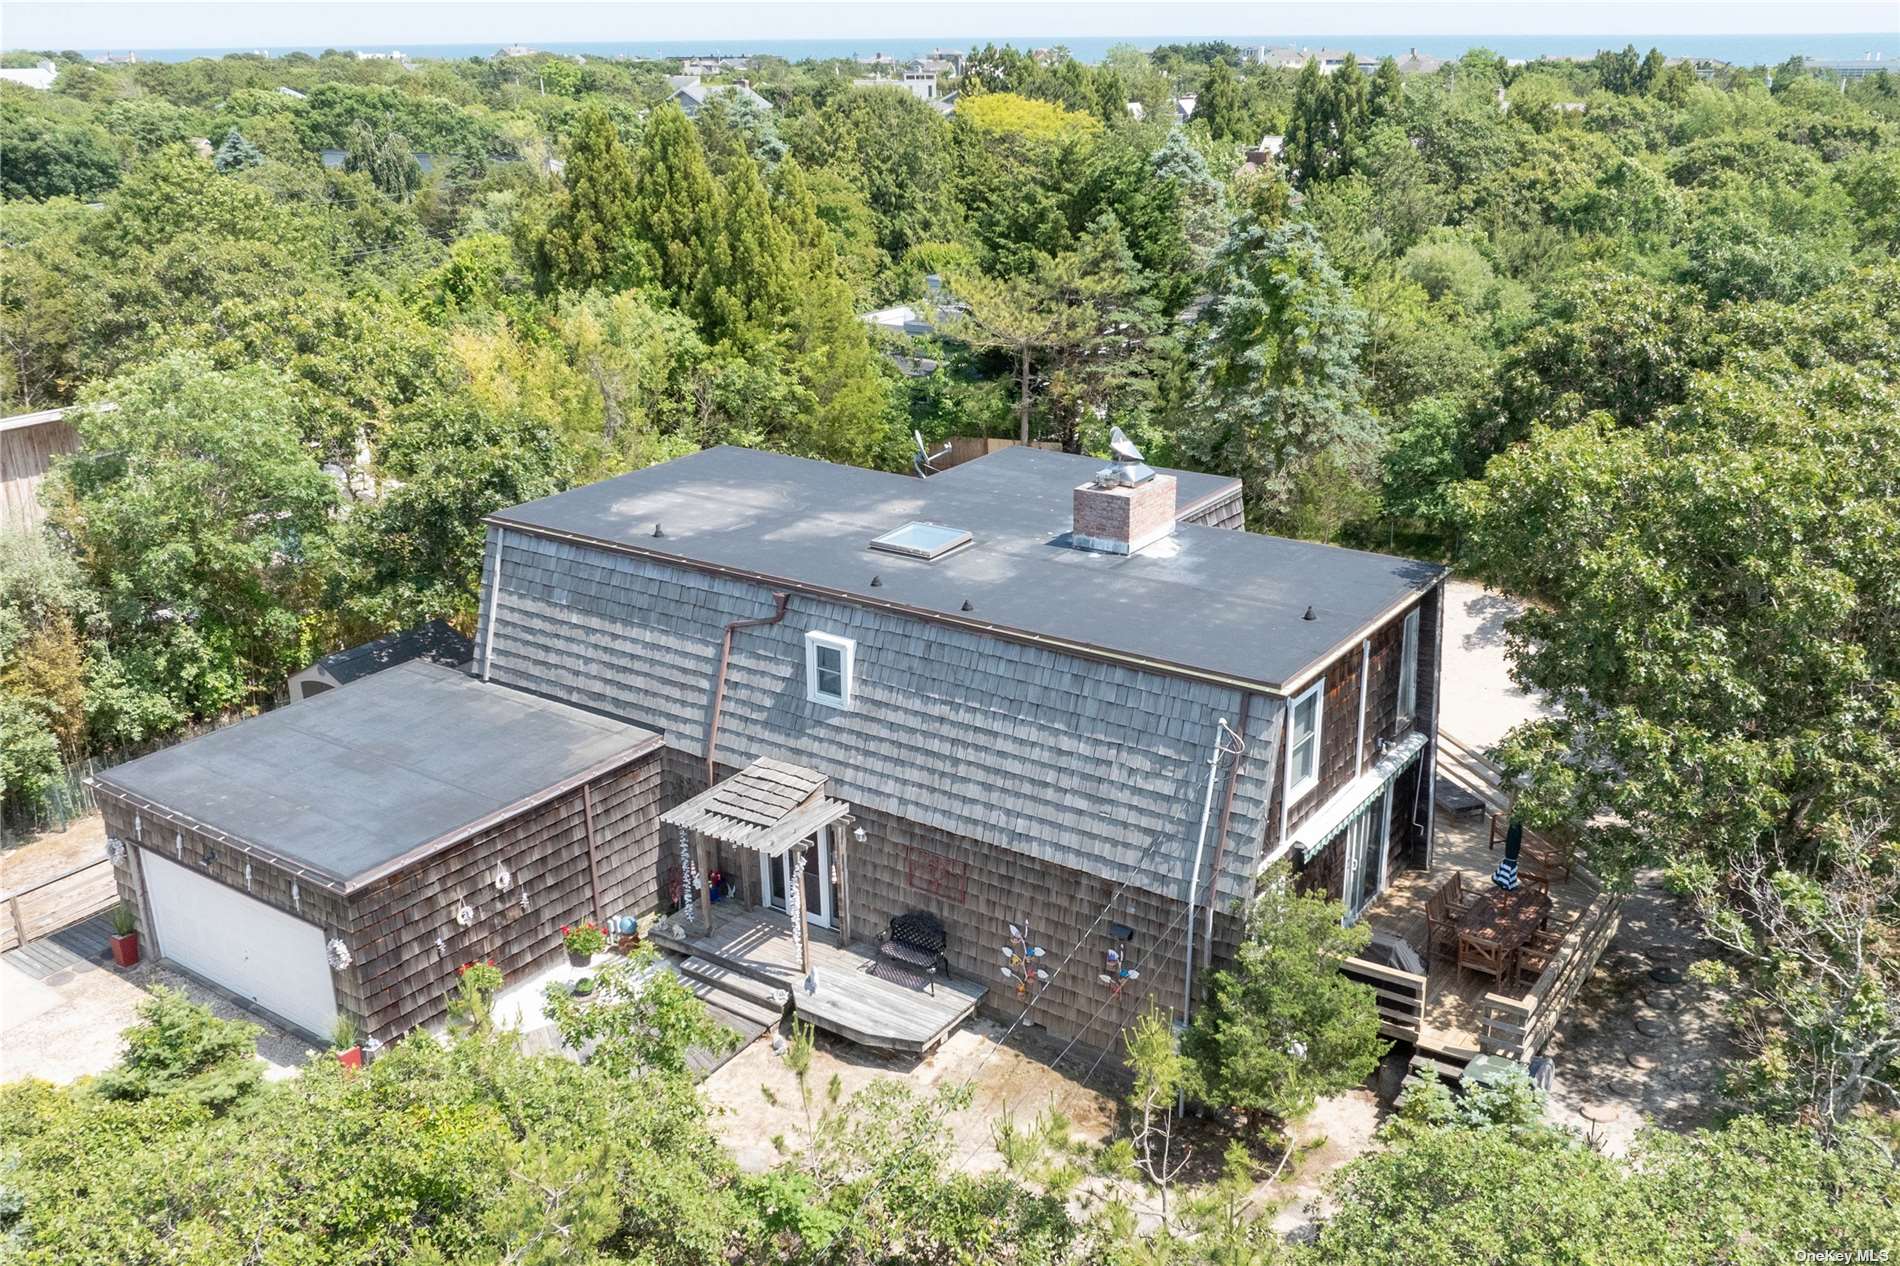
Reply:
x=795, y=903
x=1119, y=975
x=1019, y=961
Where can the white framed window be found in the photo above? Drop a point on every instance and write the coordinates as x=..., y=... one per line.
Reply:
x=1408, y=668
x=828, y=664
x=1302, y=752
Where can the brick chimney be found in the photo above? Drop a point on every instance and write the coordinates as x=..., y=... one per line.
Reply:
x=1125, y=508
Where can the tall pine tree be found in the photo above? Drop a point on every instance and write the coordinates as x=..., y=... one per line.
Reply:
x=675, y=207
x=589, y=238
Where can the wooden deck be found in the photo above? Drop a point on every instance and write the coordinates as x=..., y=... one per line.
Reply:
x=1464, y=1012
x=844, y=997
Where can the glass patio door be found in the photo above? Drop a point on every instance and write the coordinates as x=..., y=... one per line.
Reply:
x=1365, y=856
x=775, y=877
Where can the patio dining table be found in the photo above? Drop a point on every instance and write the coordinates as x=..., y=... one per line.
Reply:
x=1506, y=918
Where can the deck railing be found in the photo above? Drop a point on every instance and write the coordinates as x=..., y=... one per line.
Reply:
x=58, y=902
x=1400, y=997
x=1518, y=1028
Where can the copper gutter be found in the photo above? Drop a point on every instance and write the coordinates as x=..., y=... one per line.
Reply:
x=1220, y=838
x=781, y=597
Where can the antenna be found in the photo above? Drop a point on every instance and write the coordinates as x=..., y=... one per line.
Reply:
x=924, y=463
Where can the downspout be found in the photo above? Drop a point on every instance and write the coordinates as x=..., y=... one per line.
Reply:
x=719, y=686
x=1220, y=834
x=1194, y=874
x=1365, y=671
x=1430, y=762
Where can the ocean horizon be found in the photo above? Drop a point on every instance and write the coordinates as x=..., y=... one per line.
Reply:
x=1742, y=50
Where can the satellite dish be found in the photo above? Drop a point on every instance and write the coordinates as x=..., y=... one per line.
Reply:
x=1122, y=447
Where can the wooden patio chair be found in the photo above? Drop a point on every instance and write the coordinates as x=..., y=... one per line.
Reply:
x=1481, y=954
x=1460, y=897
x=1541, y=861
x=1532, y=961
x=1441, y=927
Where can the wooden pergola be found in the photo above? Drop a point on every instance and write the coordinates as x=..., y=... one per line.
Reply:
x=771, y=808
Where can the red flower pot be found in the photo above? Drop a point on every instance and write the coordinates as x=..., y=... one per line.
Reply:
x=352, y=1058
x=125, y=949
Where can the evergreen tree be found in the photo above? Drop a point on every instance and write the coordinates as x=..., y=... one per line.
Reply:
x=1388, y=92
x=1220, y=106
x=674, y=209
x=1331, y=114
x=1197, y=201
x=1309, y=128
x=1650, y=73
x=747, y=281
x=236, y=153
x=589, y=238
x=1277, y=377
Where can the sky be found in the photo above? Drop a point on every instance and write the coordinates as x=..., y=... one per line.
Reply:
x=282, y=23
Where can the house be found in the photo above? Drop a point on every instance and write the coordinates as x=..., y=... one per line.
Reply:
x=434, y=642
x=919, y=85
x=1842, y=68
x=39, y=77
x=1285, y=57
x=1183, y=109
x=1417, y=63
x=689, y=94
x=28, y=444
x=283, y=90
x=867, y=741
x=946, y=105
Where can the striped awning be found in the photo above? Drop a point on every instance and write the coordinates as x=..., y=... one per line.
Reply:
x=1353, y=799
x=769, y=807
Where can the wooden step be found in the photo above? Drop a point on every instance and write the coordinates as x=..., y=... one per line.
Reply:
x=742, y=984
x=744, y=1008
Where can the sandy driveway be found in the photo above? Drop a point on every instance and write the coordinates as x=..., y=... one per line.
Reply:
x=1481, y=702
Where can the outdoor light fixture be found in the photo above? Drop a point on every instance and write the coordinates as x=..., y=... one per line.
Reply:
x=210, y=858
x=339, y=954
x=859, y=835
x=296, y=897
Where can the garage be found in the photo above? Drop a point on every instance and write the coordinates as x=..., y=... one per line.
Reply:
x=262, y=955
x=344, y=857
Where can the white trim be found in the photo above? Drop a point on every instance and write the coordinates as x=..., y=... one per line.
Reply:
x=1408, y=668
x=1326, y=821
x=819, y=859
x=1316, y=692
x=847, y=660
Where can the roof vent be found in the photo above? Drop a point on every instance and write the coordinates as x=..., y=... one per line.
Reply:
x=967, y=605
x=1309, y=615
x=877, y=582
x=928, y=541
x=1128, y=470
x=658, y=530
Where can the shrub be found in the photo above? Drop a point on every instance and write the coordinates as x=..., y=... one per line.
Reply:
x=180, y=1048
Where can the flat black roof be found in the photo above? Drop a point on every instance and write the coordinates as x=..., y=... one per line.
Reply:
x=363, y=776
x=1208, y=600
x=434, y=642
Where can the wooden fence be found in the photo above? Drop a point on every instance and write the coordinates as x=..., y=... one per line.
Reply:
x=1518, y=1028
x=1400, y=996
x=52, y=904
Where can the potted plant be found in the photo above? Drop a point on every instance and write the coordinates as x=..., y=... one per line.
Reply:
x=584, y=987
x=125, y=936
x=343, y=1036
x=583, y=941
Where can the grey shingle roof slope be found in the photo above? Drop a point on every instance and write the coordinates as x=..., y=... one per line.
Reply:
x=1209, y=601
x=433, y=641
x=345, y=783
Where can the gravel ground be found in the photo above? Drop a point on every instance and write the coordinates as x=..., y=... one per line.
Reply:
x=25, y=862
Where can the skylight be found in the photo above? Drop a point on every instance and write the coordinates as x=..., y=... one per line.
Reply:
x=928, y=541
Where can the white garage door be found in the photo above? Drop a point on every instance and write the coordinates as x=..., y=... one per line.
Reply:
x=258, y=953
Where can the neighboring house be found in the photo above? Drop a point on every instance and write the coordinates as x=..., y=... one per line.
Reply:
x=434, y=642
x=1136, y=110
x=39, y=77
x=1417, y=63
x=286, y=91
x=28, y=444
x=921, y=86
x=1183, y=109
x=1857, y=68
x=946, y=104
x=689, y=94
x=1029, y=701
x=1285, y=57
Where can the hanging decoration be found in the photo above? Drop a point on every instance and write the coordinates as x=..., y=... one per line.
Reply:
x=795, y=903
x=339, y=954
x=1118, y=974
x=503, y=880
x=1019, y=960
x=115, y=850
x=464, y=915
x=689, y=874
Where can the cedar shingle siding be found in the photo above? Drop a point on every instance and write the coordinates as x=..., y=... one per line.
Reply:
x=397, y=979
x=1093, y=766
